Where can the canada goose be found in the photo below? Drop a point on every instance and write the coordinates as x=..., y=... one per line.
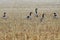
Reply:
x=55, y=15
x=36, y=12
x=4, y=14
x=29, y=16
x=42, y=17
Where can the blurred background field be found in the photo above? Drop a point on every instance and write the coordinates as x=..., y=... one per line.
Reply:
x=18, y=27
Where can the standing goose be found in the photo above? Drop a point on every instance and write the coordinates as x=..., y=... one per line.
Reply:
x=29, y=17
x=36, y=12
x=42, y=17
x=55, y=15
x=4, y=15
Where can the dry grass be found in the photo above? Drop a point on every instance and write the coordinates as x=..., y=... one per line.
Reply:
x=17, y=27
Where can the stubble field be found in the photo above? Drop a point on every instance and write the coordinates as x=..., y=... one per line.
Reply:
x=18, y=27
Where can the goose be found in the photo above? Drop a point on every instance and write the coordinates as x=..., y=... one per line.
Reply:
x=36, y=12
x=29, y=16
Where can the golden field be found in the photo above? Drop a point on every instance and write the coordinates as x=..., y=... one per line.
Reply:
x=18, y=27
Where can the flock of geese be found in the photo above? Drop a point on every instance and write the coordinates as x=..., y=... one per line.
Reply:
x=42, y=16
x=36, y=14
